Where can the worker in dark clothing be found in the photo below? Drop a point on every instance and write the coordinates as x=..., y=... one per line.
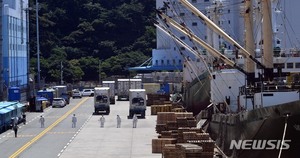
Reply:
x=24, y=118
x=15, y=128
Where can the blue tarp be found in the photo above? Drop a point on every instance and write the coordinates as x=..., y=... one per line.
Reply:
x=10, y=105
x=4, y=111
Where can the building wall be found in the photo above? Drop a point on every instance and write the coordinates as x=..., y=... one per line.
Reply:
x=14, y=46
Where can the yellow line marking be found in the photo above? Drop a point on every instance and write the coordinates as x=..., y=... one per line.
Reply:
x=20, y=150
x=61, y=132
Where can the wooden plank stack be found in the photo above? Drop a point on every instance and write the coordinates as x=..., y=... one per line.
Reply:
x=179, y=137
x=157, y=99
x=160, y=108
x=159, y=143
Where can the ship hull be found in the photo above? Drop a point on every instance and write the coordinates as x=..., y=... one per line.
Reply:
x=260, y=124
x=196, y=95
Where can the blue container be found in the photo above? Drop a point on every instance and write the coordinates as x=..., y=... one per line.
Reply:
x=49, y=94
x=14, y=94
x=166, y=88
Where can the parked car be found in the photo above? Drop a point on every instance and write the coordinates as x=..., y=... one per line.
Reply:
x=59, y=102
x=87, y=92
x=76, y=94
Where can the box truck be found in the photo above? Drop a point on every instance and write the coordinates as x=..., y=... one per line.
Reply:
x=101, y=100
x=137, y=101
x=111, y=85
x=123, y=89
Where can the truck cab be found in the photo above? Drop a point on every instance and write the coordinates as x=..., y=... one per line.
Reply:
x=137, y=98
x=101, y=100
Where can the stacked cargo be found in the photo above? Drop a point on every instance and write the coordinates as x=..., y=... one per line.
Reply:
x=159, y=143
x=166, y=107
x=179, y=137
x=157, y=99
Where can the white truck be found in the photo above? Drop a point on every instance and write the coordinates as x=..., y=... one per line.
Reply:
x=137, y=101
x=135, y=83
x=101, y=100
x=123, y=89
x=125, y=84
x=111, y=85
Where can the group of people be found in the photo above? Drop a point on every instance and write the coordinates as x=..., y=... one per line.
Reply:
x=15, y=126
x=134, y=120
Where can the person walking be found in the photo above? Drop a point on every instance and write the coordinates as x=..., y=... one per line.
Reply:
x=42, y=121
x=24, y=117
x=102, y=120
x=74, y=120
x=118, y=121
x=15, y=128
x=134, y=120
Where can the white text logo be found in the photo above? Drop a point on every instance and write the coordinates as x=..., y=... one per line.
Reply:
x=259, y=144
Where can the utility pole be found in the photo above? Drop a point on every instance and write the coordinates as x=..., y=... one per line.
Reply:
x=61, y=73
x=99, y=72
x=38, y=45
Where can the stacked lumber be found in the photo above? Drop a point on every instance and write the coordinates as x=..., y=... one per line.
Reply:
x=164, y=117
x=157, y=99
x=160, y=108
x=182, y=150
x=159, y=143
x=167, y=107
x=179, y=137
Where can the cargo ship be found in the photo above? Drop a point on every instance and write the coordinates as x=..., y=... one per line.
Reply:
x=253, y=112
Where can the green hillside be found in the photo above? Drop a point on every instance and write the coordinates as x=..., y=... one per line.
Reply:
x=79, y=33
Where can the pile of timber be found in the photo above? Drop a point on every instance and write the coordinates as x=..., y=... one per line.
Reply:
x=158, y=99
x=167, y=107
x=179, y=138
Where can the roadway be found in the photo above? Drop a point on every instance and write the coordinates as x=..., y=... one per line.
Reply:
x=58, y=139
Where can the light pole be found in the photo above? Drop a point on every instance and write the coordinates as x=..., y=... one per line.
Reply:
x=61, y=73
x=99, y=72
x=38, y=44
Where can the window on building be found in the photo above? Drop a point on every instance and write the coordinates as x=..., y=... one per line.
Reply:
x=194, y=24
x=297, y=65
x=194, y=1
x=279, y=65
x=174, y=62
x=206, y=0
x=168, y=62
x=289, y=65
x=182, y=48
x=228, y=11
x=162, y=62
x=228, y=21
x=179, y=61
x=181, y=14
x=156, y=62
x=174, y=48
x=182, y=37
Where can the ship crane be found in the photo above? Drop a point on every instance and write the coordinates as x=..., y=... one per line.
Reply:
x=206, y=46
x=196, y=39
x=268, y=67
